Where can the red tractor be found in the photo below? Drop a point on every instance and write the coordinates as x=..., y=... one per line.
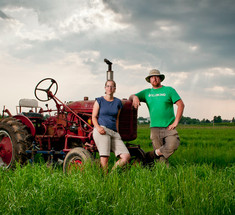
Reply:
x=65, y=135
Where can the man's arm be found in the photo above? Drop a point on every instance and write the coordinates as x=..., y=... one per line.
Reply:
x=135, y=101
x=179, y=114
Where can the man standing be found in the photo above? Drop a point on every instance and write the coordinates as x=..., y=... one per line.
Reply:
x=160, y=101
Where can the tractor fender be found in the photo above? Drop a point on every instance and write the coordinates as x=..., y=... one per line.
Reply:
x=26, y=122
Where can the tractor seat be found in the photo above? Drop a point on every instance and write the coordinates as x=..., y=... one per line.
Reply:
x=31, y=104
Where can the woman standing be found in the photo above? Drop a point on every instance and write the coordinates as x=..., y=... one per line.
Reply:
x=105, y=117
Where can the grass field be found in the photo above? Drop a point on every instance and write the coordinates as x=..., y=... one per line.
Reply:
x=199, y=145
x=199, y=180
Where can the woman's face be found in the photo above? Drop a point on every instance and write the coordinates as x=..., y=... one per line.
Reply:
x=110, y=87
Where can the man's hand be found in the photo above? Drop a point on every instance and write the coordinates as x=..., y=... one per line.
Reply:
x=135, y=101
x=172, y=126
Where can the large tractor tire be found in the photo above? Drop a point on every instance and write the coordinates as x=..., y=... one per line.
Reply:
x=75, y=159
x=14, y=140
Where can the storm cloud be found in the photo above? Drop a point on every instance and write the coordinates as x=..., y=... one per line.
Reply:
x=191, y=42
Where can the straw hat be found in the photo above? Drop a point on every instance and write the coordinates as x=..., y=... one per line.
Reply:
x=155, y=72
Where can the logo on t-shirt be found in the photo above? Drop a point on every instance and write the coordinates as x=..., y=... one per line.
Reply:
x=157, y=94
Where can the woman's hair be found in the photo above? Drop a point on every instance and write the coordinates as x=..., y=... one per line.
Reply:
x=114, y=83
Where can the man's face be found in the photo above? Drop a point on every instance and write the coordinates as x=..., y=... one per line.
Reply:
x=155, y=81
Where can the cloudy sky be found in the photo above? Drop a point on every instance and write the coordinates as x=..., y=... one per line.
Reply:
x=191, y=42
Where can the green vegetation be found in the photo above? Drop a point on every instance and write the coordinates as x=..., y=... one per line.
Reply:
x=217, y=120
x=200, y=180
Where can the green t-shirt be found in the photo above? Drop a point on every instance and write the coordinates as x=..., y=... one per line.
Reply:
x=160, y=104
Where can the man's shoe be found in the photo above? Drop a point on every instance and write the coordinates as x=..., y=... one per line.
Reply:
x=151, y=156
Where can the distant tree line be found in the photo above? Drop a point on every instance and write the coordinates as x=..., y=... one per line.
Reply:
x=216, y=119
x=142, y=120
x=192, y=121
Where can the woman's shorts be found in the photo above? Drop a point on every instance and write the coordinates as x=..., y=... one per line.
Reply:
x=111, y=141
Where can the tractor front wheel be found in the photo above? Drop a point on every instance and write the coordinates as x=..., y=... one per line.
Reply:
x=75, y=159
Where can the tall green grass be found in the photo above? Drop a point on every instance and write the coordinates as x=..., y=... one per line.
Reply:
x=192, y=184
x=194, y=189
x=199, y=144
x=211, y=145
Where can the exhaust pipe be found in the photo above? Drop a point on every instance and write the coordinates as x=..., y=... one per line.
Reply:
x=109, y=72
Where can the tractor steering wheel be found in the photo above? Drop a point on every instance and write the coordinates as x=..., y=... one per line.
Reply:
x=49, y=91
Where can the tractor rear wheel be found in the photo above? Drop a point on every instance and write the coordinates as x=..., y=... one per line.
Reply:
x=75, y=159
x=14, y=140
